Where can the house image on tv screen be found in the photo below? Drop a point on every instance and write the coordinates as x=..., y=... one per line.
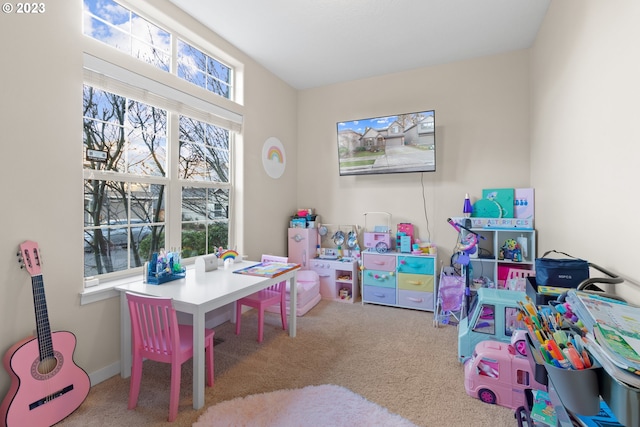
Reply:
x=392, y=144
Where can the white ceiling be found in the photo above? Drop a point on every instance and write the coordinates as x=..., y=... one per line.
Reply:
x=312, y=43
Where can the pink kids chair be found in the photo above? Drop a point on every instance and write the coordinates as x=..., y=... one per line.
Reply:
x=274, y=294
x=158, y=336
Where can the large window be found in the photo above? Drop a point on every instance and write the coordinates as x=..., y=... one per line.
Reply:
x=117, y=26
x=157, y=160
x=123, y=29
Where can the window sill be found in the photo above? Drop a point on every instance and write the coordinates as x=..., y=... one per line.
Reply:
x=105, y=290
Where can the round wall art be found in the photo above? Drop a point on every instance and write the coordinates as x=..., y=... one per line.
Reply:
x=273, y=157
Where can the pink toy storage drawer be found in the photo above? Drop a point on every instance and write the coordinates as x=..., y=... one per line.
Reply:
x=379, y=262
x=415, y=299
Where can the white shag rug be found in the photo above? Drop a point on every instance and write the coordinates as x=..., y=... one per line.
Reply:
x=323, y=405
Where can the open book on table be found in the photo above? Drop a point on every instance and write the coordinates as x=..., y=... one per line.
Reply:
x=268, y=269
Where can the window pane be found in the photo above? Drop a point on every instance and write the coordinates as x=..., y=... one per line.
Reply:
x=117, y=26
x=191, y=57
x=200, y=69
x=150, y=43
x=218, y=70
x=216, y=86
x=204, y=151
x=131, y=134
x=194, y=204
x=200, y=239
x=109, y=11
x=147, y=154
x=205, y=212
x=108, y=34
x=124, y=224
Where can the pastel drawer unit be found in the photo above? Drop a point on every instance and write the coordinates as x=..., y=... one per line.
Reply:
x=378, y=278
x=418, y=300
x=416, y=264
x=379, y=262
x=415, y=282
x=379, y=295
x=399, y=280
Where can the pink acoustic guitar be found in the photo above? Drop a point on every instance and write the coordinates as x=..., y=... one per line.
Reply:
x=46, y=384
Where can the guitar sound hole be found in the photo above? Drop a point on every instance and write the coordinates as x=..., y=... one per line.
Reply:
x=48, y=367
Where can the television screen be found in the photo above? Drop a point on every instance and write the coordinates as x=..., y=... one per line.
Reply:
x=392, y=144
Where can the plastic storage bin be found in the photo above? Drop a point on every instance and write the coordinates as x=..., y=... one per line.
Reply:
x=624, y=401
x=577, y=389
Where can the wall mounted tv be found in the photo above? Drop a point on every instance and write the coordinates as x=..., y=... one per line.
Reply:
x=391, y=144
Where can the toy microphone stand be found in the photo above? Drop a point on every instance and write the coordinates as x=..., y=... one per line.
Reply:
x=467, y=246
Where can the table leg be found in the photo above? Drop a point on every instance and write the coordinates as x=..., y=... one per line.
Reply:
x=198, y=360
x=233, y=313
x=293, y=297
x=125, y=337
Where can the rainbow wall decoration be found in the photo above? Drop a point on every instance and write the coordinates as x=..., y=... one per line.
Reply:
x=274, y=160
x=274, y=153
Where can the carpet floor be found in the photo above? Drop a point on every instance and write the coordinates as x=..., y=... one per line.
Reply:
x=392, y=357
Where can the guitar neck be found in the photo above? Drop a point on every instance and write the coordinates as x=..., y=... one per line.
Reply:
x=43, y=329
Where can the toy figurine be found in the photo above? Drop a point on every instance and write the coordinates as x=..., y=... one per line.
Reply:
x=510, y=250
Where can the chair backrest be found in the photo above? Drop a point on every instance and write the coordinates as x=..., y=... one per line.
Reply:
x=280, y=287
x=274, y=258
x=154, y=325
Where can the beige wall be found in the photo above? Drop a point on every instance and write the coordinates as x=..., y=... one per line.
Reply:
x=584, y=120
x=482, y=140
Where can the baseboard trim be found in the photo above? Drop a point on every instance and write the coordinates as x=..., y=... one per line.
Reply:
x=105, y=373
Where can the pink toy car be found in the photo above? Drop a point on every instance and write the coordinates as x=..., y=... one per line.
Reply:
x=497, y=373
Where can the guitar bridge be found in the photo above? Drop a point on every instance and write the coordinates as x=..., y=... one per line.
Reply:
x=50, y=397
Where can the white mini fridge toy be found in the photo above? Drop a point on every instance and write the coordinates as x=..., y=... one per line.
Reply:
x=302, y=245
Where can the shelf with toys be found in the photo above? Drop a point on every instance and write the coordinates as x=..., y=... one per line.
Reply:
x=502, y=246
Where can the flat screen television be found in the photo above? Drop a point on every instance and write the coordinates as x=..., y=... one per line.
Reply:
x=391, y=144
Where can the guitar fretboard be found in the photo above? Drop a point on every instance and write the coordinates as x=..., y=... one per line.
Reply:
x=43, y=329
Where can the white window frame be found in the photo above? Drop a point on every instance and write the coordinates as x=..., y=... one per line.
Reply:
x=108, y=69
